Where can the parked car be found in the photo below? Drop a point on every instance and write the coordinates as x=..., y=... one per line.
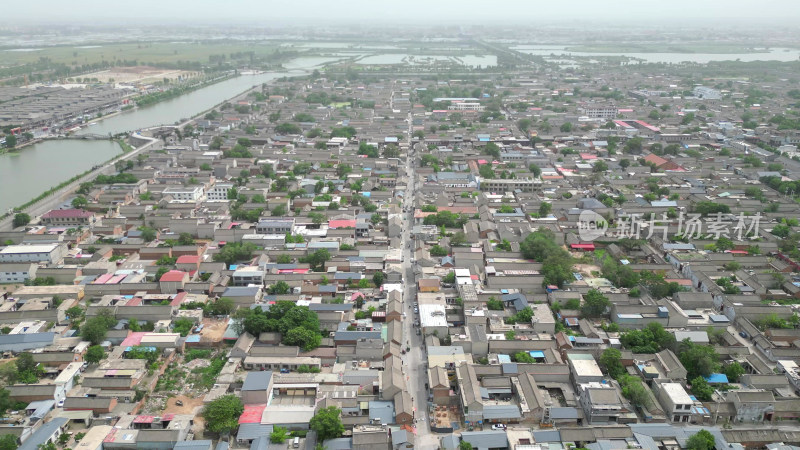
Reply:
x=498, y=426
x=743, y=334
x=285, y=371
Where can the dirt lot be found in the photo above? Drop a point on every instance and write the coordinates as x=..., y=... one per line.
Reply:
x=586, y=269
x=213, y=330
x=189, y=405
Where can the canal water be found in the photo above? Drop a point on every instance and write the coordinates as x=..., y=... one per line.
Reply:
x=26, y=173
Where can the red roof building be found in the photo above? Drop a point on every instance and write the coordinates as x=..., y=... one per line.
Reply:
x=64, y=217
x=346, y=223
x=174, y=276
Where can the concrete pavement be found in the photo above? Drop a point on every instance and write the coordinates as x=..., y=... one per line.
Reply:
x=415, y=360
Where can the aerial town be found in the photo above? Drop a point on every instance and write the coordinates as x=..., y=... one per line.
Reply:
x=535, y=255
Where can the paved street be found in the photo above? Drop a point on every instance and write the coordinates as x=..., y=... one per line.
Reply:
x=415, y=360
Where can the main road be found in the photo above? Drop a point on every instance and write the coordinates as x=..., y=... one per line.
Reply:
x=415, y=360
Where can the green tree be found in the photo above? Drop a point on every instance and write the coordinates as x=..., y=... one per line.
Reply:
x=524, y=357
x=94, y=354
x=95, y=329
x=624, y=163
x=222, y=414
x=702, y=440
x=5, y=401
x=288, y=128
x=182, y=326
x=21, y=219
x=327, y=424
x=493, y=304
x=486, y=171
x=185, y=239
x=594, y=304
x=544, y=209
x=234, y=252
x=279, y=211
x=278, y=435
x=634, y=146
x=634, y=390
x=11, y=141
x=317, y=259
x=438, y=251
x=75, y=314
x=699, y=360
x=458, y=239
x=733, y=371
x=378, y=278
x=79, y=202
x=148, y=234
x=610, y=360
x=279, y=288
x=8, y=442
x=303, y=338
x=651, y=339
x=464, y=445
x=600, y=166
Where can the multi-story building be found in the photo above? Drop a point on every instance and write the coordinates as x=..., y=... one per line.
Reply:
x=219, y=191
x=276, y=225
x=17, y=272
x=528, y=184
x=49, y=253
x=68, y=217
x=676, y=402
x=184, y=194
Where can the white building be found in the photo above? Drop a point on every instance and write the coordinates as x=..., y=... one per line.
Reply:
x=706, y=93
x=466, y=106
x=600, y=112
x=50, y=253
x=17, y=272
x=675, y=401
x=184, y=194
x=247, y=275
x=219, y=191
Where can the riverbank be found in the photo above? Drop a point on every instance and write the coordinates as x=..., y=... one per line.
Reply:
x=166, y=114
x=56, y=195
x=157, y=97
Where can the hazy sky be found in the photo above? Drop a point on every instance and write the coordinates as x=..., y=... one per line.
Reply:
x=266, y=12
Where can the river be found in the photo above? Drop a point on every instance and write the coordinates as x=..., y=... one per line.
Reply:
x=34, y=169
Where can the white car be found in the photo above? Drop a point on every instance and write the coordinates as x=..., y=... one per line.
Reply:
x=498, y=426
x=60, y=403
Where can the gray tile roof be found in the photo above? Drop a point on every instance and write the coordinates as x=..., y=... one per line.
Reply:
x=257, y=381
x=204, y=444
x=501, y=412
x=250, y=431
x=43, y=434
x=486, y=439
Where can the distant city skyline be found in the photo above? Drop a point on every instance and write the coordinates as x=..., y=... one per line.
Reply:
x=532, y=12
